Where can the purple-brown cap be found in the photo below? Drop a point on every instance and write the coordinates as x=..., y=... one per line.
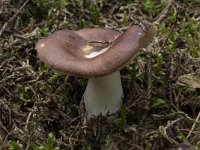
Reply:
x=93, y=52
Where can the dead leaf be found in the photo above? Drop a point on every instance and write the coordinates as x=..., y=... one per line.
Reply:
x=191, y=79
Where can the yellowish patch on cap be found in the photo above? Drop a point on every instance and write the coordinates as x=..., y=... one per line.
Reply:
x=42, y=45
x=94, y=54
x=87, y=48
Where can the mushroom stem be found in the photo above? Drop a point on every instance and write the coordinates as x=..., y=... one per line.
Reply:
x=103, y=95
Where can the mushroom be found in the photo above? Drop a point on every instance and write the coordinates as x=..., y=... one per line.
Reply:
x=97, y=54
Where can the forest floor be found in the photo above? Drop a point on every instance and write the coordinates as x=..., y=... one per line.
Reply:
x=39, y=107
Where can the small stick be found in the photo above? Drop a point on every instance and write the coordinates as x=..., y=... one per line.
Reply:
x=170, y=32
x=13, y=17
x=193, y=126
x=149, y=80
x=27, y=120
x=163, y=130
x=165, y=11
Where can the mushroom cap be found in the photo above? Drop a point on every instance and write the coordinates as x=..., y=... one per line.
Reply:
x=93, y=52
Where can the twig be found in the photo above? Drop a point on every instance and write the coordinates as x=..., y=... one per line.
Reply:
x=7, y=91
x=13, y=17
x=163, y=130
x=8, y=77
x=6, y=61
x=193, y=126
x=27, y=120
x=170, y=33
x=149, y=73
x=149, y=80
x=136, y=147
x=4, y=128
x=164, y=13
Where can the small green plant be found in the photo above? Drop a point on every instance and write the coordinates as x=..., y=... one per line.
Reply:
x=43, y=32
x=153, y=6
x=49, y=145
x=181, y=137
x=82, y=24
x=197, y=145
x=148, y=145
x=25, y=93
x=158, y=103
x=14, y=146
x=190, y=33
x=157, y=69
x=58, y=4
x=122, y=120
x=94, y=13
x=149, y=5
x=55, y=76
x=172, y=43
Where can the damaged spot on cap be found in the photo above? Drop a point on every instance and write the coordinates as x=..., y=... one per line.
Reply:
x=42, y=45
x=94, y=54
x=87, y=49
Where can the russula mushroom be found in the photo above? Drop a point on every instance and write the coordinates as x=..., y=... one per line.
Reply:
x=97, y=54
